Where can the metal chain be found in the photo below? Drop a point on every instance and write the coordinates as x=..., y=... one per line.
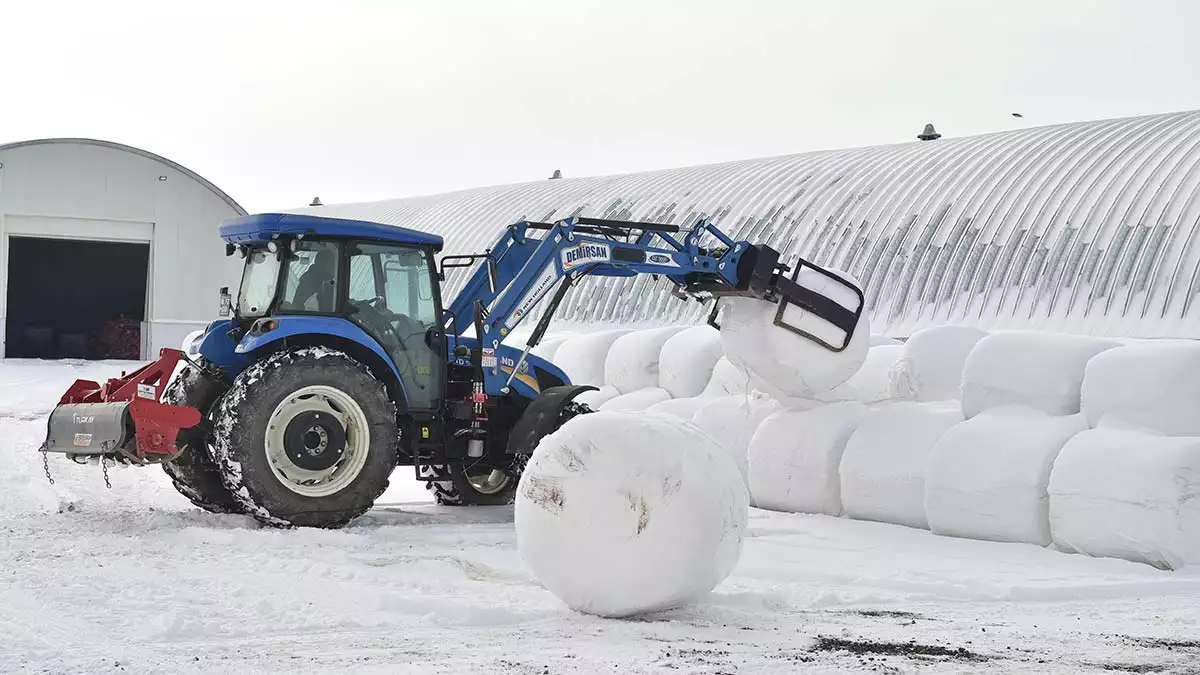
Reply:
x=104, y=468
x=46, y=465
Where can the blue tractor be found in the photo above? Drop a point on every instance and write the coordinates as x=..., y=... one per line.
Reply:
x=338, y=361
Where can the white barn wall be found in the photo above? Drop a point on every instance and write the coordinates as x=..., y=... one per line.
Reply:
x=82, y=189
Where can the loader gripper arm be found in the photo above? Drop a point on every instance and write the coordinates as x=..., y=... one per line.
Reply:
x=702, y=261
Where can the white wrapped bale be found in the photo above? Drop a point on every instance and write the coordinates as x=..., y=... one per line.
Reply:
x=633, y=358
x=795, y=455
x=683, y=408
x=687, y=361
x=727, y=380
x=1043, y=371
x=582, y=357
x=1153, y=386
x=988, y=476
x=1127, y=494
x=637, y=400
x=732, y=421
x=548, y=347
x=622, y=513
x=789, y=365
x=872, y=382
x=931, y=367
x=884, y=464
x=597, y=398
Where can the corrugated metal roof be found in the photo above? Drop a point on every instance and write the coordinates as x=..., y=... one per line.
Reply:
x=1087, y=227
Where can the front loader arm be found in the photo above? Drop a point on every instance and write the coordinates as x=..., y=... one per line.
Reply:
x=703, y=262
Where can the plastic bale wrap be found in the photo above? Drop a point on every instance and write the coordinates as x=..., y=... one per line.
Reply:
x=1152, y=386
x=683, y=408
x=988, y=476
x=548, y=347
x=727, y=380
x=1128, y=494
x=872, y=382
x=931, y=366
x=597, y=398
x=582, y=357
x=732, y=421
x=789, y=365
x=623, y=513
x=795, y=457
x=884, y=464
x=637, y=400
x=688, y=359
x=633, y=359
x=1043, y=371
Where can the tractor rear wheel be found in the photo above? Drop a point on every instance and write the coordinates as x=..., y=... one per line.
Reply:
x=306, y=438
x=193, y=471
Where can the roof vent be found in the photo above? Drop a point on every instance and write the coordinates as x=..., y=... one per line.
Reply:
x=557, y=174
x=316, y=202
x=930, y=134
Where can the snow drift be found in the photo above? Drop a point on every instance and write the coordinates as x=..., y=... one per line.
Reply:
x=988, y=476
x=884, y=464
x=1043, y=371
x=1154, y=386
x=622, y=513
x=794, y=457
x=931, y=367
x=1128, y=494
x=790, y=365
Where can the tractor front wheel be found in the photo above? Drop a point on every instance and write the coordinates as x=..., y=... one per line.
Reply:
x=306, y=438
x=485, y=484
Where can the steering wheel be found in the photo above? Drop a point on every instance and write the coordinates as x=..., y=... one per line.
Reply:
x=379, y=304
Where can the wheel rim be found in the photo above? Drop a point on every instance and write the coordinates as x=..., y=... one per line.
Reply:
x=303, y=437
x=486, y=480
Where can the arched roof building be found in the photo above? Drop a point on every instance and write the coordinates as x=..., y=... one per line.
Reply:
x=1088, y=227
x=106, y=251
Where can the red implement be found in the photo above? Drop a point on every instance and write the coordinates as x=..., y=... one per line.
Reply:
x=80, y=426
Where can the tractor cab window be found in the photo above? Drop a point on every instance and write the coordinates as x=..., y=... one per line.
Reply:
x=310, y=282
x=391, y=296
x=259, y=279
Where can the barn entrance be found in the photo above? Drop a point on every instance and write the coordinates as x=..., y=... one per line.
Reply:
x=75, y=299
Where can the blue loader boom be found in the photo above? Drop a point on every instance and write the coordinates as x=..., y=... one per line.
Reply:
x=338, y=362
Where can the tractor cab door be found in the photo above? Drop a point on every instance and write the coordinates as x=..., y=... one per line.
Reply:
x=392, y=295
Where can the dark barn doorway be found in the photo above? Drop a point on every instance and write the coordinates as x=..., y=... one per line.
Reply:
x=75, y=299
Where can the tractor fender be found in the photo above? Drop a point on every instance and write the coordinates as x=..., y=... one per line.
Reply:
x=327, y=331
x=541, y=417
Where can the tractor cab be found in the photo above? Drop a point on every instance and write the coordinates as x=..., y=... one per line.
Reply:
x=304, y=276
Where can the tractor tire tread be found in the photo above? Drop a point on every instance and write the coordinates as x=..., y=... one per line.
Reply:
x=251, y=397
x=193, y=472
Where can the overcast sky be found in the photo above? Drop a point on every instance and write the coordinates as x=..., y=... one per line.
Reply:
x=277, y=102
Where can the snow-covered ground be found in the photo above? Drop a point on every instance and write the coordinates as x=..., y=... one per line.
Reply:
x=134, y=579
